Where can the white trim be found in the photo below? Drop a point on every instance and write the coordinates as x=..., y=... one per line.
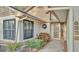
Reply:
x=59, y=8
x=5, y=18
x=70, y=31
x=8, y=17
x=26, y=39
x=17, y=30
x=8, y=40
x=59, y=31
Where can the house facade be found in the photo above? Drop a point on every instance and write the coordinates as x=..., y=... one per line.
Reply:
x=19, y=24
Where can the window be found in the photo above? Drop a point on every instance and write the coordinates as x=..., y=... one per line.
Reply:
x=9, y=29
x=76, y=30
x=56, y=30
x=27, y=29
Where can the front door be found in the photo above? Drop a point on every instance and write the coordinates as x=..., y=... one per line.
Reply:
x=55, y=31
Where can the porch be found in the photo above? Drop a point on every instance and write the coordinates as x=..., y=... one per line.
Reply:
x=55, y=19
x=53, y=46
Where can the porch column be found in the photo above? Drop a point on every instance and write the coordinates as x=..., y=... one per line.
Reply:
x=70, y=31
x=17, y=30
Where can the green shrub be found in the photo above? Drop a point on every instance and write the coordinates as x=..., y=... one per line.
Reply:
x=35, y=43
x=13, y=46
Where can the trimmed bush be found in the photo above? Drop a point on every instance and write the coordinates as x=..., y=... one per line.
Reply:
x=35, y=43
x=12, y=47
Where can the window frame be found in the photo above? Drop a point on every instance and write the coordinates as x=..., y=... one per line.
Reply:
x=32, y=30
x=76, y=30
x=4, y=29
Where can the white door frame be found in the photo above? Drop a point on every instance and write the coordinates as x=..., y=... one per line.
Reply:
x=52, y=31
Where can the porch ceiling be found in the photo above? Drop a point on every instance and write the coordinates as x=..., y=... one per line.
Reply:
x=24, y=8
x=39, y=12
x=56, y=15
